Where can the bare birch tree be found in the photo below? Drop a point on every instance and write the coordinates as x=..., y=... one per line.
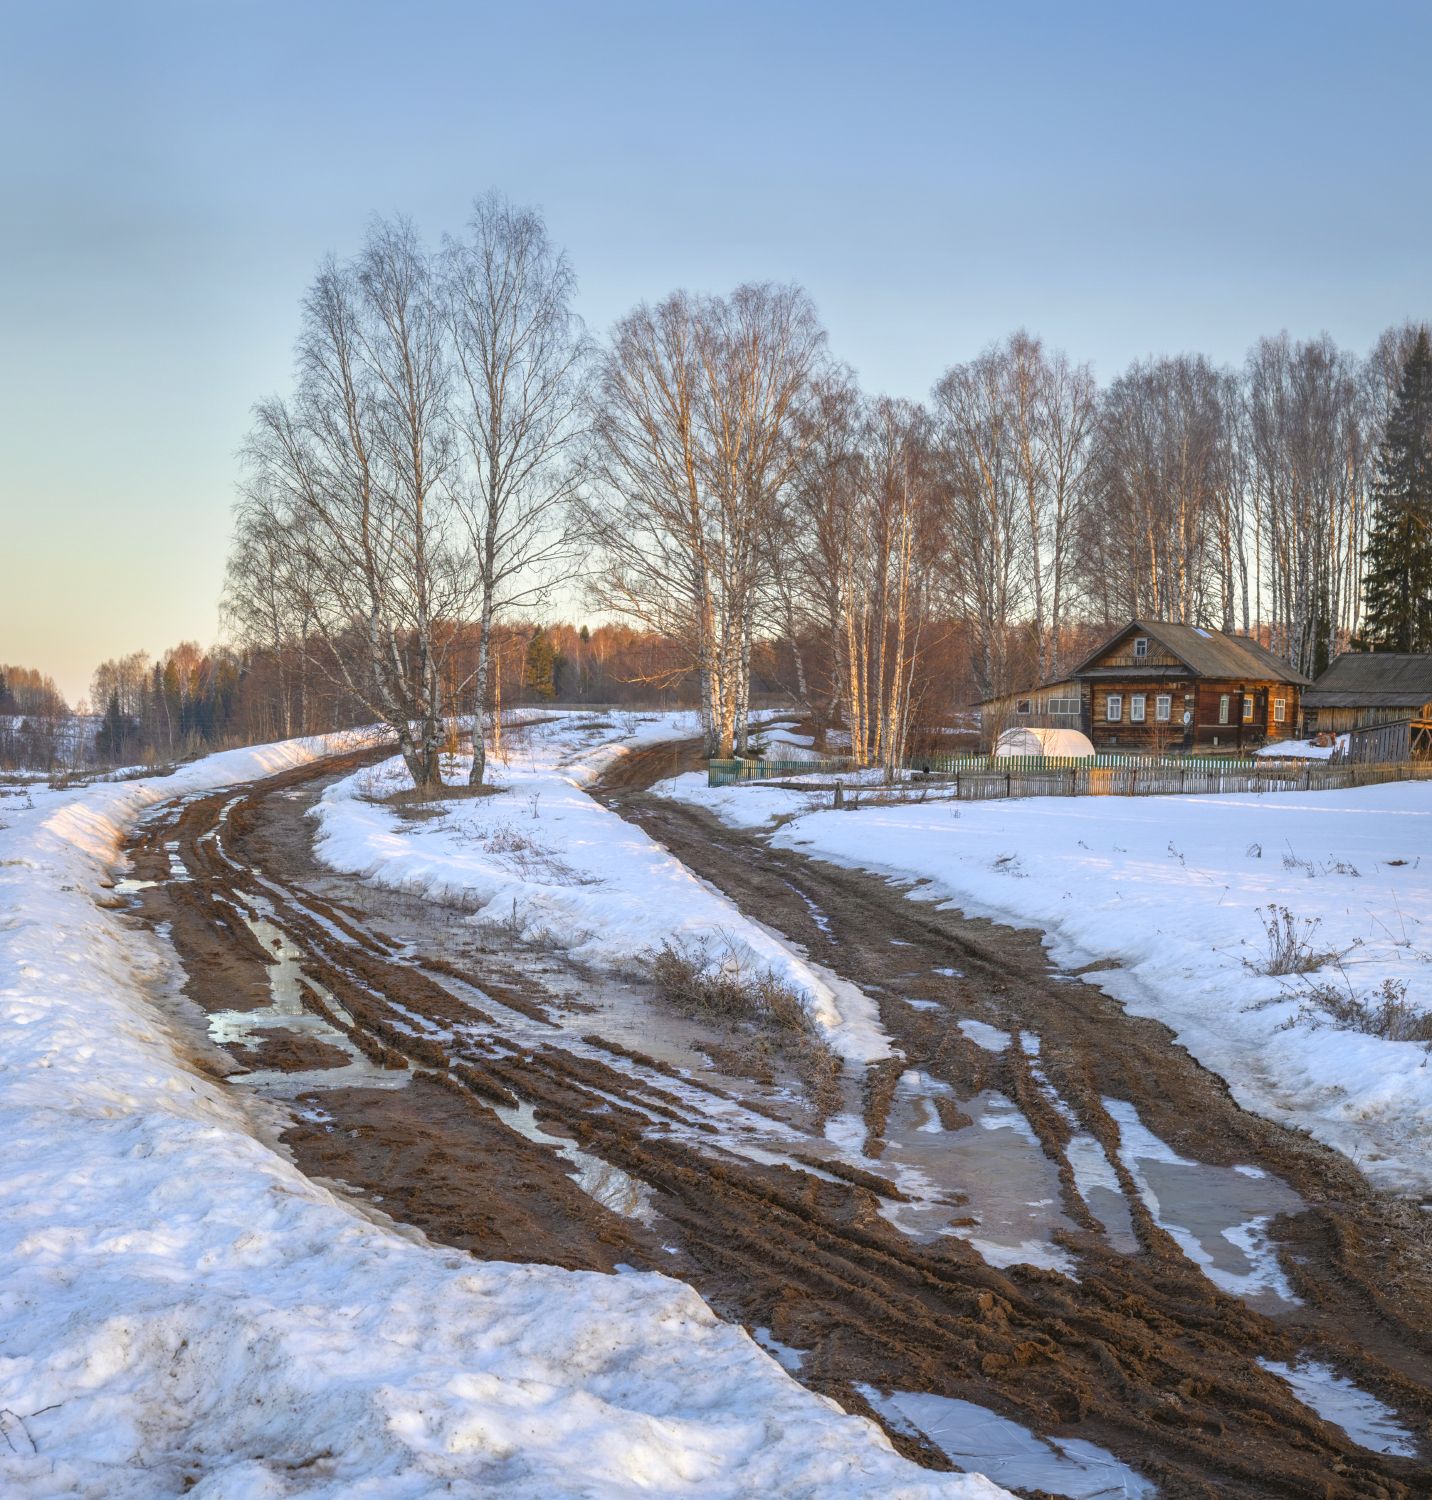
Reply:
x=351, y=474
x=518, y=352
x=698, y=434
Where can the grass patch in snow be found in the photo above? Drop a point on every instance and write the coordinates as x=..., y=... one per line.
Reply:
x=1383, y=1012
x=1291, y=943
x=770, y=1011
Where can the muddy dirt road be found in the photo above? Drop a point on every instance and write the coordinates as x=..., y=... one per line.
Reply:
x=1043, y=1208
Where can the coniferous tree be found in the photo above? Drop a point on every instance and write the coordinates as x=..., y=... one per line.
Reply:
x=114, y=733
x=1398, y=578
x=540, y=676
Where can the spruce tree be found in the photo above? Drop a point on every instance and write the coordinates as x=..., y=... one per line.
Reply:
x=1397, y=584
x=540, y=676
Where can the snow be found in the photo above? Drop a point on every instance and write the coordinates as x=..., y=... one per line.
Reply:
x=1301, y=749
x=542, y=857
x=1175, y=889
x=186, y=1314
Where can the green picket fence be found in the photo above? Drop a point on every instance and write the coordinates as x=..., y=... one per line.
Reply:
x=728, y=772
x=984, y=777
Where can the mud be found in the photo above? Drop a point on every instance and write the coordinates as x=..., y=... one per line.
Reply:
x=499, y=1079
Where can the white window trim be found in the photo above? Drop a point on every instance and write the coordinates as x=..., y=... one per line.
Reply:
x=1163, y=707
x=1141, y=646
x=1114, y=708
x=1225, y=705
x=1280, y=710
x=1138, y=707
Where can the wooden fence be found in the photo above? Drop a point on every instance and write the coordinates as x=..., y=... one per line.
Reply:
x=986, y=778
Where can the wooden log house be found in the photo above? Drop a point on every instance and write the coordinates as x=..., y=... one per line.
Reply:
x=1154, y=687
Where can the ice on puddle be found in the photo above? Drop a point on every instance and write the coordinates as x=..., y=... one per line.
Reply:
x=1365, y=1419
x=978, y=1439
x=991, y=1038
x=1218, y=1216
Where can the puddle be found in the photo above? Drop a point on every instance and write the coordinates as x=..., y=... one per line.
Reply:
x=992, y=1171
x=1218, y=1216
x=287, y=1012
x=599, y=1180
x=951, y=973
x=923, y=1004
x=1365, y=1419
x=1099, y=1187
x=980, y=1441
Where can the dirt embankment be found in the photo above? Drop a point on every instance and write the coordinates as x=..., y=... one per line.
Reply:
x=1142, y=1354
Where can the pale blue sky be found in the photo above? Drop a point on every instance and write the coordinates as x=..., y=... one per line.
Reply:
x=1124, y=179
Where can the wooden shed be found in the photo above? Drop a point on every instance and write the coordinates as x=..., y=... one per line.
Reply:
x=1363, y=690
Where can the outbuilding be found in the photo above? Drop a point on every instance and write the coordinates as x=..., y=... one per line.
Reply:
x=1364, y=689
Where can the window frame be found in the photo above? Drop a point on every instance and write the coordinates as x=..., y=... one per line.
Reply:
x=1141, y=647
x=1280, y=710
x=1113, y=708
x=1248, y=708
x=1024, y=706
x=1138, y=708
x=1163, y=708
x=1225, y=707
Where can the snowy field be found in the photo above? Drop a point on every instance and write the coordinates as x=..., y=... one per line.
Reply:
x=187, y=1314
x=1177, y=890
x=541, y=856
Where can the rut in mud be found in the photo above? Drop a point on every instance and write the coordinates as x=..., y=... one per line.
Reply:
x=1175, y=1241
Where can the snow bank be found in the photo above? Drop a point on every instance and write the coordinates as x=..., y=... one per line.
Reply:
x=186, y=1314
x=1172, y=887
x=543, y=857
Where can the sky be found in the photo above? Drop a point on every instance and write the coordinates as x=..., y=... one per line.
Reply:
x=1125, y=180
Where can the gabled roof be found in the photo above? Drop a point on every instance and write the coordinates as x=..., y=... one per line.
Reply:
x=1373, y=679
x=1206, y=652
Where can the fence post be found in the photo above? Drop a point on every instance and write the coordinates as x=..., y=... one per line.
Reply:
x=1006, y=783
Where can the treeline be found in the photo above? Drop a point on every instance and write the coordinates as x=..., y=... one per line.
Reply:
x=456, y=447
x=191, y=700
x=36, y=728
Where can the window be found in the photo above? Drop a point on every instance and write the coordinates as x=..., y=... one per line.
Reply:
x=1141, y=647
x=1280, y=710
x=1163, y=708
x=1114, y=707
x=1223, y=703
x=1247, y=708
x=1069, y=706
x=1136, y=708
x=1022, y=705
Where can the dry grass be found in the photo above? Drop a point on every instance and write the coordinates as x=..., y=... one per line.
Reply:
x=770, y=1012
x=1291, y=944
x=1383, y=1012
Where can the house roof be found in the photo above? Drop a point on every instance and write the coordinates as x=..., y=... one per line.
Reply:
x=1205, y=652
x=1024, y=692
x=1376, y=679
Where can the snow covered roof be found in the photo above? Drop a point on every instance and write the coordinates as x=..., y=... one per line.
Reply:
x=1205, y=652
x=1376, y=679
